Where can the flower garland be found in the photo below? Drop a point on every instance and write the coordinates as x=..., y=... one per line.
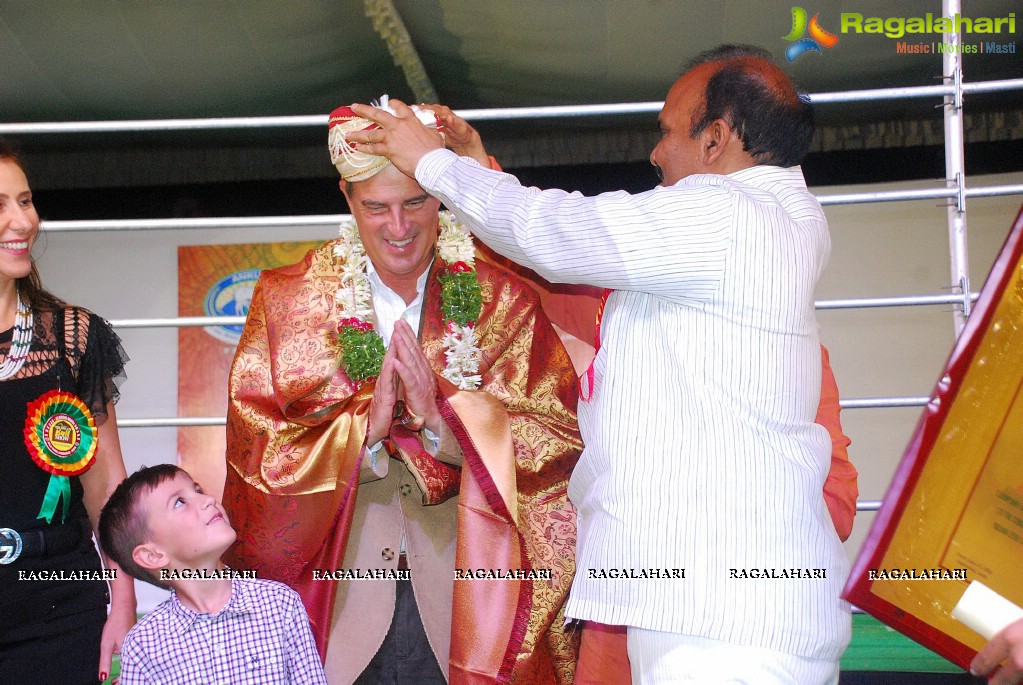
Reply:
x=362, y=348
x=461, y=303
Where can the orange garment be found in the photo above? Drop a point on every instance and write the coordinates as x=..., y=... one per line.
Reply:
x=840, y=490
x=603, y=656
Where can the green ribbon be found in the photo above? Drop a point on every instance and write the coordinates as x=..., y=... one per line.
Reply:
x=59, y=487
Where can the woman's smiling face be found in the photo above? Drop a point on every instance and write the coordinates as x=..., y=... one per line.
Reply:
x=19, y=222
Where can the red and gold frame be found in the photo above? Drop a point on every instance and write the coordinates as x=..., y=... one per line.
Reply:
x=954, y=510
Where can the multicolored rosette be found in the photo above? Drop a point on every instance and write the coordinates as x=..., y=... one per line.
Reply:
x=60, y=434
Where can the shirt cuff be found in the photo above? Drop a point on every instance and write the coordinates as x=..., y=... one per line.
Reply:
x=433, y=164
x=374, y=465
x=432, y=443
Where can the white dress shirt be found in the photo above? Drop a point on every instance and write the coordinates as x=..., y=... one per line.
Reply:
x=701, y=449
x=389, y=306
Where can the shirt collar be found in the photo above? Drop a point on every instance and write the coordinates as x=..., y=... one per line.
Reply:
x=378, y=284
x=238, y=604
x=763, y=174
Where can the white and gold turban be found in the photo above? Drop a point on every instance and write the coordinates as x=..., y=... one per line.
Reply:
x=352, y=164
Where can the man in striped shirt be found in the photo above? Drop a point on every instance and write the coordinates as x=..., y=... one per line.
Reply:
x=701, y=448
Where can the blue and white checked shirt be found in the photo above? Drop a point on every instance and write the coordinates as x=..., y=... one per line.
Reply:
x=261, y=636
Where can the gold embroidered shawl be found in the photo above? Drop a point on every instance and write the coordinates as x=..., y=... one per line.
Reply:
x=295, y=432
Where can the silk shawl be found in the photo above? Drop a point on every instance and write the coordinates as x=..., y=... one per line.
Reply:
x=295, y=434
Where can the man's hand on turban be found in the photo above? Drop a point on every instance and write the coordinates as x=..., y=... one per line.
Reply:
x=418, y=383
x=460, y=137
x=402, y=138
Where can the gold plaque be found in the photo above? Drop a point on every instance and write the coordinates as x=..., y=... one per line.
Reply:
x=954, y=511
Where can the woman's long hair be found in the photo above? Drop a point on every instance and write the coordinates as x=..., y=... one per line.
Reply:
x=31, y=286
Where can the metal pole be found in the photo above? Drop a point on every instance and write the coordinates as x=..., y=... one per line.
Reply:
x=492, y=114
x=192, y=421
x=849, y=303
x=955, y=169
x=330, y=221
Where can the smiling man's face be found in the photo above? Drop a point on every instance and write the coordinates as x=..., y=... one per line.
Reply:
x=398, y=225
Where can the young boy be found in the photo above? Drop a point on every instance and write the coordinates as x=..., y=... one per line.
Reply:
x=219, y=625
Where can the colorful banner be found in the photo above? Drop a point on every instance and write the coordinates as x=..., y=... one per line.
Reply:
x=215, y=280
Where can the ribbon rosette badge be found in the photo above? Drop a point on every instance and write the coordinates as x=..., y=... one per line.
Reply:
x=818, y=36
x=60, y=434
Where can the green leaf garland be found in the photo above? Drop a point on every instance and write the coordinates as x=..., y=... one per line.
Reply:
x=362, y=352
x=461, y=298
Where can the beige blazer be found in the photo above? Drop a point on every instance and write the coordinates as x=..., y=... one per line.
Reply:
x=389, y=504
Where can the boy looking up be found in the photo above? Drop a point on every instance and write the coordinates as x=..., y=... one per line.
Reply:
x=219, y=625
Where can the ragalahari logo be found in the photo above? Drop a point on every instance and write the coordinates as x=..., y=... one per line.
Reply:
x=818, y=36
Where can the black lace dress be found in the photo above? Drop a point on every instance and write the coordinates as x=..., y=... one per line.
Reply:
x=50, y=629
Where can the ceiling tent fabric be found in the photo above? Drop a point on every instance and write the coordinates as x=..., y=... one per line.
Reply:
x=124, y=59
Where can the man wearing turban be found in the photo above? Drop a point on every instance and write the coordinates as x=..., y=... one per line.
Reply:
x=401, y=430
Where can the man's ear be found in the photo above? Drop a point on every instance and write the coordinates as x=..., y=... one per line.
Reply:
x=150, y=557
x=715, y=139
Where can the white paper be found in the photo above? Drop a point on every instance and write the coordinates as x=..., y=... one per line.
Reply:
x=985, y=611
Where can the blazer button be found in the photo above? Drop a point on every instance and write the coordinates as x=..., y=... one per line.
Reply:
x=405, y=490
x=387, y=553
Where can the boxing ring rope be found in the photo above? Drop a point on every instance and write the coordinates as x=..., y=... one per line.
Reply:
x=851, y=303
x=957, y=192
x=332, y=220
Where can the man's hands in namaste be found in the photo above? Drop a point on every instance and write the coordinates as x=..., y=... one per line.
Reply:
x=405, y=374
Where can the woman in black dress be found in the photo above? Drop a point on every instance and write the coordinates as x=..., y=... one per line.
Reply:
x=59, y=460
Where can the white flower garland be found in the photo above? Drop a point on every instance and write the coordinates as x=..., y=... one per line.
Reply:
x=355, y=299
x=455, y=243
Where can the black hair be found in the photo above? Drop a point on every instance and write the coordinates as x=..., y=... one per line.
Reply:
x=773, y=121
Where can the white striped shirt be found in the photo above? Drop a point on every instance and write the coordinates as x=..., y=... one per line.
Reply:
x=701, y=451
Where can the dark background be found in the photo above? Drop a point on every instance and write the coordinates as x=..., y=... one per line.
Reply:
x=320, y=195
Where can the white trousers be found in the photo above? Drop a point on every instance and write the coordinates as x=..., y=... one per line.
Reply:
x=658, y=658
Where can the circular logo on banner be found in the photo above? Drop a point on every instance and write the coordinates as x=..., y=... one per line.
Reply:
x=60, y=434
x=230, y=296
